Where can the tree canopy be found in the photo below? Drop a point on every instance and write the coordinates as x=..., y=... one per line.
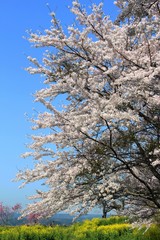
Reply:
x=101, y=147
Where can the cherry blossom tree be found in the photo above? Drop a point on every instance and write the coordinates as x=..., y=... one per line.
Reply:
x=132, y=9
x=147, y=139
x=101, y=146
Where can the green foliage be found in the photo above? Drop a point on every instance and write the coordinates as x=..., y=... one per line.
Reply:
x=157, y=218
x=151, y=233
x=114, y=228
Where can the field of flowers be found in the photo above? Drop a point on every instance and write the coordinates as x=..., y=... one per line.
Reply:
x=113, y=228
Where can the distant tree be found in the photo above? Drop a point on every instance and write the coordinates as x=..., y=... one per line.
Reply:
x=7, y=213
x=33, y=218
x=17, y=207
x=102, y=147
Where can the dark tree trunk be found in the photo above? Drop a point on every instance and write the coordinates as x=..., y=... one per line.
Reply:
x=104, y=211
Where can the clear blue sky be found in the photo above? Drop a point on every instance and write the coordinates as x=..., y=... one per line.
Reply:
x=17, y=86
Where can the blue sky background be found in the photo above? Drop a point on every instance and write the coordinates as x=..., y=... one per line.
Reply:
x=17, y=86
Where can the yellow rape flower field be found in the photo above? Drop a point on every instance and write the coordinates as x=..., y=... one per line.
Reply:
x=113, y=228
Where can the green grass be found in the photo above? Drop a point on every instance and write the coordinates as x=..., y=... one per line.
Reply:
x=113, y=228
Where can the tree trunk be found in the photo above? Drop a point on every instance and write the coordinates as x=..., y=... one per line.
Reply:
x=104, y=212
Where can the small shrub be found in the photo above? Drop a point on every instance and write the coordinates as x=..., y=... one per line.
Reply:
x=109, y=221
